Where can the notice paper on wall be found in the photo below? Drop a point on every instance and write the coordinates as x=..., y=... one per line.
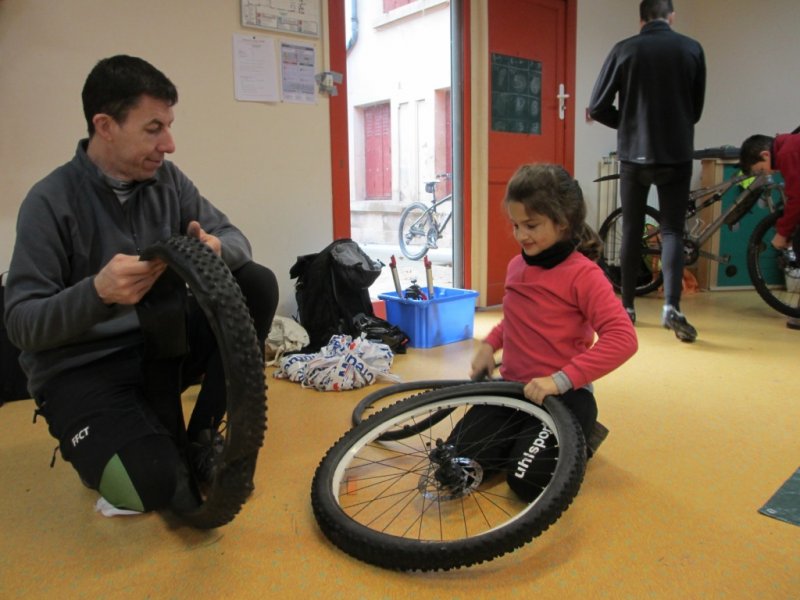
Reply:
x=297, y=73
x=255, y=69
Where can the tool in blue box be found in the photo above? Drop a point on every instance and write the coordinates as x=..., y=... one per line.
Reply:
x=414, y=292
x=429, y=275
x=393, y=267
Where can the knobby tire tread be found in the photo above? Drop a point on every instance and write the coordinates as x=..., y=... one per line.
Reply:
x=402, y=554
x=218, y=294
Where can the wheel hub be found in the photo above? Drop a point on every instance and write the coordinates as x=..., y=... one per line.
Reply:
x=449, y=476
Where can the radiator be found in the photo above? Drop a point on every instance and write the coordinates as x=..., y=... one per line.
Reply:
x=607, y=191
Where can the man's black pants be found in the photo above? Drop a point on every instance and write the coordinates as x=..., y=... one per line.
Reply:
x=101, y=410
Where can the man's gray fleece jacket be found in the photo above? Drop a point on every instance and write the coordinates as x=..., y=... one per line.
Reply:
x=70, y=225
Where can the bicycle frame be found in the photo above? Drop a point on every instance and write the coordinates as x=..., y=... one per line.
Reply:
x=761, y=186
x=699, y=235
x=775, y=274
x=436, y=204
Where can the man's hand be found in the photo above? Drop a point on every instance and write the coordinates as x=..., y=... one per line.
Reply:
x=539, y=387
x=125, y=279
x=194, y=230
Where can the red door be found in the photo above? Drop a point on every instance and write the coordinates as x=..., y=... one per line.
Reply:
x=529, y=50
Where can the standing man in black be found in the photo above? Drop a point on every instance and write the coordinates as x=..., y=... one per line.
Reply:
x=657, y=79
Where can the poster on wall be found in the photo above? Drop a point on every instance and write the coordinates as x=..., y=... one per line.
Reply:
x=303, y=17
x=298, y=64
x=516, y=95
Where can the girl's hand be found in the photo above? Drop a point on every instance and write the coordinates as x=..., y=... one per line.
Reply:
x=539, y=387
x=482, y=363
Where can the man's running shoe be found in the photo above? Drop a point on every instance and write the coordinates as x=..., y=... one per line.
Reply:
x=674, y=320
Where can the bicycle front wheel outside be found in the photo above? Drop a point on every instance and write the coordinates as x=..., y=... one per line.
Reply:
x=384, y=495
x=415, y=224
x=775, y=278
x=649, y=276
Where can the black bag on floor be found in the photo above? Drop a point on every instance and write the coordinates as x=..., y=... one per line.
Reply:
x=13, y=383
x=332, y=288
x=380, y=330
x=332, y=293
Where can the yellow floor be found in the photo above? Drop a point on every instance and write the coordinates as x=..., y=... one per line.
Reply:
x=701, y=437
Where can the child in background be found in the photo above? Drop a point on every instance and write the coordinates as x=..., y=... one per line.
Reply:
x=556, y=299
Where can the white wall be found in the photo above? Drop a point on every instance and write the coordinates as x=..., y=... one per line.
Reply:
x=752, y=51
x=753, y=73
x=600, y=25
x=266, y=165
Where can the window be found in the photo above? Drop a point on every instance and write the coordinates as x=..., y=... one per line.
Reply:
x=390, y=5
x=443, y=135
x=378, y=152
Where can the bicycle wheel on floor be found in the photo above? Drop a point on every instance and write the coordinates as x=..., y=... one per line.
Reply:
x=649, y=276
x=415, y=225
x=775, y=277
x=221, y=299
x=398, y=491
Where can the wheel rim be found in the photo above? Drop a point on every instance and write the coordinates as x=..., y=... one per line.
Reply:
x=649, y=277
x=414, y=226
x=775, y=277
x=391, y=487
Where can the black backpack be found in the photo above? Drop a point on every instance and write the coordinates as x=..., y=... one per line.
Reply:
x=332, y=293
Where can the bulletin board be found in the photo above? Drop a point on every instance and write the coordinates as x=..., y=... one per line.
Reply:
x=303, y=17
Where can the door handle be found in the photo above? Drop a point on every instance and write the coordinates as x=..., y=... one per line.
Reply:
x=562, y=101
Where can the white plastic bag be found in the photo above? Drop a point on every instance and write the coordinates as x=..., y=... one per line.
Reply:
x=285, y=335
x=344, y=364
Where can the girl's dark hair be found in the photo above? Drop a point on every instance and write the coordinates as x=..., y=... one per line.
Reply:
x=550, y=191
x=116, y=84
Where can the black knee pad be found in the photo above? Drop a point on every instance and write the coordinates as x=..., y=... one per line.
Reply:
x=486, y=434
x=584, y=406
x=152, y=463
x=535, y=457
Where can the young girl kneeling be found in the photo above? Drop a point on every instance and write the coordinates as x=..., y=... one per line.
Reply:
x=562, y=328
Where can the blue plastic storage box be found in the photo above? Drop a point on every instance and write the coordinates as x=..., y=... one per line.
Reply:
x=448, y=318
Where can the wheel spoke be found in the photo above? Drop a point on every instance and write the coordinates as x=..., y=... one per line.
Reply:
x=427, y=487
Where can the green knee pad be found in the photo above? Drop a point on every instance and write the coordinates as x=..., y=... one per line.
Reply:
x=116, y=486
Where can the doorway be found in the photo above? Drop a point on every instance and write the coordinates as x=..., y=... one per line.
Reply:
x=541, y=34
x=531, y=118
x=397, y=103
